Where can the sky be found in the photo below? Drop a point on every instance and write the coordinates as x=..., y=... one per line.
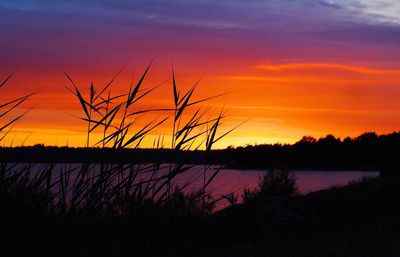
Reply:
x=289, y=67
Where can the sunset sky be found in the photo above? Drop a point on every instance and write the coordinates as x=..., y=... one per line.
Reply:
x=290, y=67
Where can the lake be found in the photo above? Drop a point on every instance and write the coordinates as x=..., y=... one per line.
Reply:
x=307, y=181
x=233, y=180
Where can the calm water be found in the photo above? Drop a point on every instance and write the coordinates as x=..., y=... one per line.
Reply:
x=307, y=181
x=231, y=180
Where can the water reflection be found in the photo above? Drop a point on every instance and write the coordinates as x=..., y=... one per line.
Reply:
x=231, y=180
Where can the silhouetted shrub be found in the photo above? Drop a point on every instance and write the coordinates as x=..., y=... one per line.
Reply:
x=273, y=183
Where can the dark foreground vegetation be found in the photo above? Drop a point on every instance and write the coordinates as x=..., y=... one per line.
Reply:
x=360, y=219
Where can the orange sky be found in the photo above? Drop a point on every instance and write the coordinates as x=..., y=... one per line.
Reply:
x=280, y=103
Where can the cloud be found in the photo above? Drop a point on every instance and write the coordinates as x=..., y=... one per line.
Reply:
x=294, y=29
x=210, y=14
x=375, y=10
x=328, y=66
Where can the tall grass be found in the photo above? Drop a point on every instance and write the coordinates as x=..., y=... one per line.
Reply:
x=7, y=121
x=96, y=189
x=95, y=205
x=192, y=129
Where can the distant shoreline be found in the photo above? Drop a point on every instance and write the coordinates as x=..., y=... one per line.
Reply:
x=365, y=153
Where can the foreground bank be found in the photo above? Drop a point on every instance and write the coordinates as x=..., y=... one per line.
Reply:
x=360, y=219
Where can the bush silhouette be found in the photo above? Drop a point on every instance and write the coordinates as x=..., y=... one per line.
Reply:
x=273, y=183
